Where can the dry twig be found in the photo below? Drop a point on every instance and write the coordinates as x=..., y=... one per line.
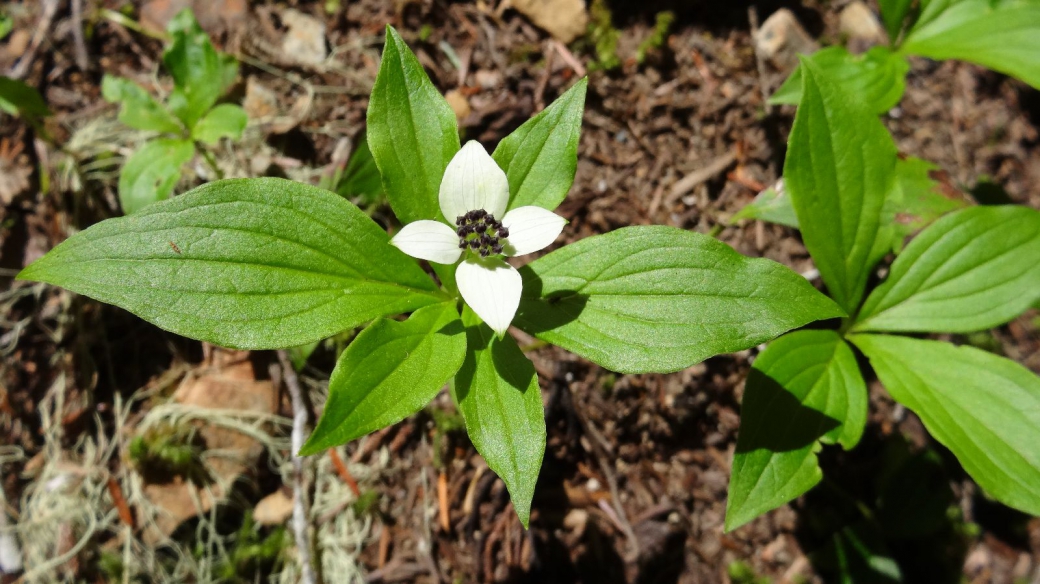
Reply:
x=299, y=428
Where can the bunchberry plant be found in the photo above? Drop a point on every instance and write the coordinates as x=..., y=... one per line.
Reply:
x=971, y=269
x=187, y=123
x=1003, y=35
x=268, y=263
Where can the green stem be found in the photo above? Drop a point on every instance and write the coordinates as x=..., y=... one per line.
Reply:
x=123, y=20
x=208, y=156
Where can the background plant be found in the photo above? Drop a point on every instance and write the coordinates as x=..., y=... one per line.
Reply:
x=186, y=123
x=972, y=269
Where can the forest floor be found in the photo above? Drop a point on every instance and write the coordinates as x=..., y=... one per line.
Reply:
x=633, y=486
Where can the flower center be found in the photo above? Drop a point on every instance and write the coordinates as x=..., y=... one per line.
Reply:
x=479, y=231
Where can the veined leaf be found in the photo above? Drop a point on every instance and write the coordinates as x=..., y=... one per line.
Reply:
x=839, y=167
x=139, y=109
x=200, y=74
x=772, y=205
x=151, y=173
x=917, y=199
x=361, y=177
x=248, y=263
x=893, y=13
x=388, y=372
x=984, y=408
x=804, y=388
x=499, y=398
x=412, y=132
x=877, y=77
x=541, y=156
x=971, y=270
x=659, y=299
x=17, y=98
x=224, y=121
x=1003, y=35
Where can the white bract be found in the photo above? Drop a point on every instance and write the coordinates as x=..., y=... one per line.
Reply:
x=474, y=193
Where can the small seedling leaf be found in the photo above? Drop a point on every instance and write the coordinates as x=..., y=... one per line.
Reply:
x=877, y=77
x=19, y=99
x=139, y=109
x=224, y=121
x=200, y=74
x=920, y=194
x=151, y=173
x=772, y=205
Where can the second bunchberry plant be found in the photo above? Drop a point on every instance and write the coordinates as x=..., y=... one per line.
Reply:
x=268, y=263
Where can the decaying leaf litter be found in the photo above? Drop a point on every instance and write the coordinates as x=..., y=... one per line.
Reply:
x=633, y=487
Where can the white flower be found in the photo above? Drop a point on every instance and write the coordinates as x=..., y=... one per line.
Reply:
x=474, y=194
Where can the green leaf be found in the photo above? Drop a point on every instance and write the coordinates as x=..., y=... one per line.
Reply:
x=139, y=109
x=224, y=121
x=917, y=199
x=893, y=13
x=389, y=372
x=499, y=399
x=877, y=77
x=19, y=99
x=658, y=299
x=839, y=167
x=772, y=205
x=200, y=74
x=984, y=408
x=412, y=132
x=541, y=156
x=248, y=263
x=804, y=388
x=6, y=25
x=361, y=177
x=857, y=554
x=151, y=173
x=1003, y=35
x=971, y=270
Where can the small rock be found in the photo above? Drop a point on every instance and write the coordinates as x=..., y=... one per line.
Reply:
x=459, y=104
x=157, y=14
x=214, y=16
x=17, y=43
x=305, y=40
x=565, y=20
x=273, y=509
x=859, y=23
x=260, y=102
x=228, y=383
x=487, y=79
x=781, y=39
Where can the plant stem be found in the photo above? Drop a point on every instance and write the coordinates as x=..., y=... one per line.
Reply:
x=208, y=156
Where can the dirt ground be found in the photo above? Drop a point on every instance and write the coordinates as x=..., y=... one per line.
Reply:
x=633, y=487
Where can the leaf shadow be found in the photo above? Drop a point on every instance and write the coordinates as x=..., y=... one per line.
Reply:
x=538, y=313
x=766, y=402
